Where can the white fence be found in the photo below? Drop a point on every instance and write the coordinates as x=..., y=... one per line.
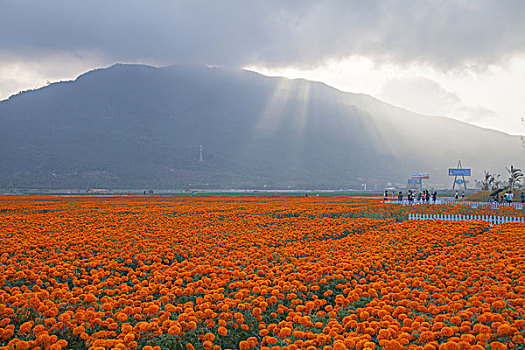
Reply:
x=474, y=205
x=494, y=205
x=492, y=220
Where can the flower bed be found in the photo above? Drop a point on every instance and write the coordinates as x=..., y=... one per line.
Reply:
x=259, y=272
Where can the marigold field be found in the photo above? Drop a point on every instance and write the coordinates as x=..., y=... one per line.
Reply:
x=218, y=272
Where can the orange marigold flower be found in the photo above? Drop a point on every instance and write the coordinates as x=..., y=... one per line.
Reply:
x=369, y=345
x=477, y=347
x=451, y=345
x=447, y=332
x=285, y=332
x=339, y=345
x=129, y=337
x=174, y=330
x=22, y=345
x=122, y=317
x=496, y=345
x=222, y=331
x=505, y=329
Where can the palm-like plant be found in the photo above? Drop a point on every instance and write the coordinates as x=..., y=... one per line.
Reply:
x=490, y=181
x=515, y=176
x=485, y=183
x=495, y=182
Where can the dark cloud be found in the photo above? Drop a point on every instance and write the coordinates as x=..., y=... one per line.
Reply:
x=442, y=33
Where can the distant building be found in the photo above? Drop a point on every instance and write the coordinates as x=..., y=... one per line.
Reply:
x=97, y=190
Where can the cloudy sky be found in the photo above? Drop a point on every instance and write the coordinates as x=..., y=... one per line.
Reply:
x=463, y=59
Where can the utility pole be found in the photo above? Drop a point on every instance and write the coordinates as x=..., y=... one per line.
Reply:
x=200, y=154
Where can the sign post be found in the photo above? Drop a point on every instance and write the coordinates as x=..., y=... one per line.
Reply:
x=419, y=177
x=459, y=171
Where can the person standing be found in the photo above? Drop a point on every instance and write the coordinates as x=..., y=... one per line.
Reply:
x=522, y=197
x=386, y=195
x=400, y=196
x=434, y=197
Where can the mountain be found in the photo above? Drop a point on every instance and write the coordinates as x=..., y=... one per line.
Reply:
x=136, y=126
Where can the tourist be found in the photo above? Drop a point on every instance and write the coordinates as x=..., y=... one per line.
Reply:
x=400, y=196
x=522, y=197
x=434, y=197
x=386, y=195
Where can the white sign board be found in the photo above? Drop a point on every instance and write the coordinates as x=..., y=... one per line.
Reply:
x=420, y=175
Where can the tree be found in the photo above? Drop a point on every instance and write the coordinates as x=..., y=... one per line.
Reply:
x=515, y=176
x=495, y=182
x=490, y=181
x=485, y=183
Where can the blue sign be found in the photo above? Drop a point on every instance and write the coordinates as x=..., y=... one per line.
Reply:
x=413, y=181
x=459, y=181
x=458, y=172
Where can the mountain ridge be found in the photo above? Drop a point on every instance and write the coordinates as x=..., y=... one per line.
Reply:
x=366, y=96
x=142, y=126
